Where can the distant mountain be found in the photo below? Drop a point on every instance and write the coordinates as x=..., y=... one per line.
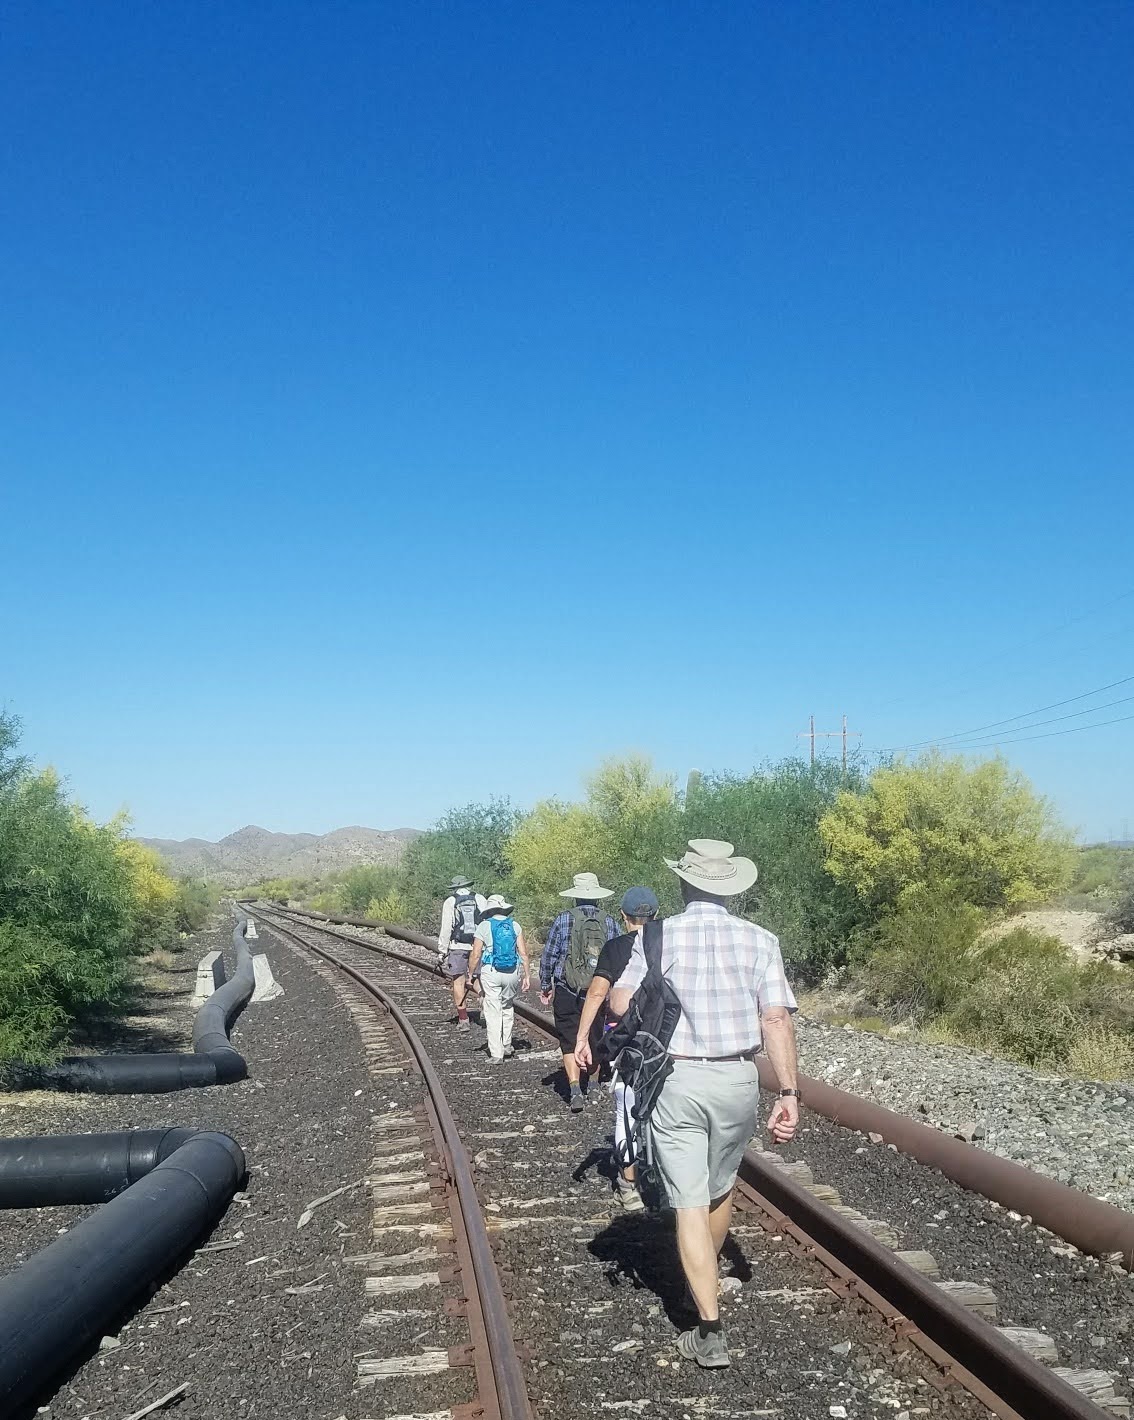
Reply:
x=252, y=853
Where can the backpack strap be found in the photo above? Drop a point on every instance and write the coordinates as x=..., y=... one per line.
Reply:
x=652, y=934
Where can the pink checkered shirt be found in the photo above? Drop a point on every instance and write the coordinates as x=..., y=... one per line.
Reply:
x=725, y=971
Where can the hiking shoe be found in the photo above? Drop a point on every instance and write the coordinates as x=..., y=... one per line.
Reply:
x=509, y=1051
x=463, y=1026
x=628, y=1195
x=576, y=1103
x=710, y=1352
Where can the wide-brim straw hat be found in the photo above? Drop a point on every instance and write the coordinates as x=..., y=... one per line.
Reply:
x=497, y=902
x=587, y=887
x=460, y=883
x=710, y=864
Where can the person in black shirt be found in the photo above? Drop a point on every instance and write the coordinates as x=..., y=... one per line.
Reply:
x=639, y=905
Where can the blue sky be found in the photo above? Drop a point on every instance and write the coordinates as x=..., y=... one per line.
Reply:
x=405, y=403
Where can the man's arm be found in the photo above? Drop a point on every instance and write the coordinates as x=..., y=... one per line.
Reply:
x=522, y=953
x=445, y=936
x=476, y=951
x=597, y=993
x=779, y=1041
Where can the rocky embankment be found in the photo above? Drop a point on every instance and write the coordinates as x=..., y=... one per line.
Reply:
x=1079, y=1132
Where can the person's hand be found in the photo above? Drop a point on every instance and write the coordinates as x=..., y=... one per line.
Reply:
x=784, y=1119
x=525, y=982
x=583, y=1054
x=545, y=997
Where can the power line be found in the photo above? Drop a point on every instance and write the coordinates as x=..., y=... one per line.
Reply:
x=1051, y=734
x=1056, y=719
x=1043, y=638
x=1024, y=715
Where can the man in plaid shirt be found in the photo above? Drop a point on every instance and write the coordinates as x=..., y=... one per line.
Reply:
x=729, y=976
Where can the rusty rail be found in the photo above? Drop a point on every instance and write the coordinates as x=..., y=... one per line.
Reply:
x=966, y=1349
x=1092, y=1225
x=500, y=1378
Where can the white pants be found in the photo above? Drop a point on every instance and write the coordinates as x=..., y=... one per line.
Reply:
x=623, y=1106
x=500, y=990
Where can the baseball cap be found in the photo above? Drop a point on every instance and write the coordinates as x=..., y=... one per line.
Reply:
x=639, y=902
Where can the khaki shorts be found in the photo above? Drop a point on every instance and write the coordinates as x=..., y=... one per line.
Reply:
x=702, y=1123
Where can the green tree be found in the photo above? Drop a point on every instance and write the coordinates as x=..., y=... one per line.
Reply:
x=469, y=842
x=970, y=832
x=772, y=816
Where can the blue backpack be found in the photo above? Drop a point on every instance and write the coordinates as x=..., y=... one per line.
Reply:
x=505, y=957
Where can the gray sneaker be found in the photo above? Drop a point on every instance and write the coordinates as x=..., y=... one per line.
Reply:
x=628, y=1195
x=509, y=1051
x=462, y=1026
x=576, y=1104
x=710, y=1352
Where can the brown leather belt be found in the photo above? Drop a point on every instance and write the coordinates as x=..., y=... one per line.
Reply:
x=719, y=1059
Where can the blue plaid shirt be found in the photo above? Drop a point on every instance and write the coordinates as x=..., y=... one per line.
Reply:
x=558, y=940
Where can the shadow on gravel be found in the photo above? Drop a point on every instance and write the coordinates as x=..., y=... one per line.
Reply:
x=640, y=1251
x=601, y=1159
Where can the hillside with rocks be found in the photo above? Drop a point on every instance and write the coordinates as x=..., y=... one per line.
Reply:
x=252, y=853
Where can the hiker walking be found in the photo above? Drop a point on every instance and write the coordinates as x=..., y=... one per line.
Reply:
x=460, y=913
x=500, y=954
x=728, y=975
x=639, y=906
x=569, y=958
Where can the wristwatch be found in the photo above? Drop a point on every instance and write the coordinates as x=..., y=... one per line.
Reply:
x=795, y=1093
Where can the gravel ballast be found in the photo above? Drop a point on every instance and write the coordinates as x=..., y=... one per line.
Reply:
x=226, y=1323
x=597, y=1295
x=1076, y=1131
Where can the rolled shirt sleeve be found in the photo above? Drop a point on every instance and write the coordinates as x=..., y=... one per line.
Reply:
x=445, y=936
x=772, y=990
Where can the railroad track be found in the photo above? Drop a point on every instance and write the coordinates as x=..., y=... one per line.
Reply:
x=852, y=1323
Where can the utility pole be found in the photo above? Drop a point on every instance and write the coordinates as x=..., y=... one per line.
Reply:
x=844, y=734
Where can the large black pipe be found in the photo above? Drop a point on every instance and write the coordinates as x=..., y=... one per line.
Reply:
x=81, y=1168
x=215, y=1060
x=61, y=1299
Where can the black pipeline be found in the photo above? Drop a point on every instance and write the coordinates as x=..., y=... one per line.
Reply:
x=214, y=1061
x=65, y=1296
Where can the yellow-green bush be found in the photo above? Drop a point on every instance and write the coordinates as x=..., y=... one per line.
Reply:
x=974, y=832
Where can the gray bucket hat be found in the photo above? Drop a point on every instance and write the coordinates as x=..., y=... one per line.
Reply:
x=460, y=883
x=587, y=888
x=709, y=864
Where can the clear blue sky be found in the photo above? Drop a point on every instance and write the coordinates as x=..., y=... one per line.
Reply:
x=694, y=367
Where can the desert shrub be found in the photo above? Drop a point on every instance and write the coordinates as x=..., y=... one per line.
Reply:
x=360, y=885
x=32, y=1014
x=390, y=907
x=1120, y=919
x=194, y=903
x=1019, y=995
x=468, y=841
x=1101, y=872
x=773, y=816
x=1102, y=1053
x=154, y=893
x=918, y=961
x=974, y=832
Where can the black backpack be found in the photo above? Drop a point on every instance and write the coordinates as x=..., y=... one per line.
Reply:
x=464, y=918
x=639, y=1044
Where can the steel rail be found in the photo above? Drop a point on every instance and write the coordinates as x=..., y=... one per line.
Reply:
x=1093, y=1225
x=967, y=1349
x=500, y=1378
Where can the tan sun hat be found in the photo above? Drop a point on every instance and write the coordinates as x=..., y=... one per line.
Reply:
x=710, y=865
x=587, y=887
x=497, y=903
